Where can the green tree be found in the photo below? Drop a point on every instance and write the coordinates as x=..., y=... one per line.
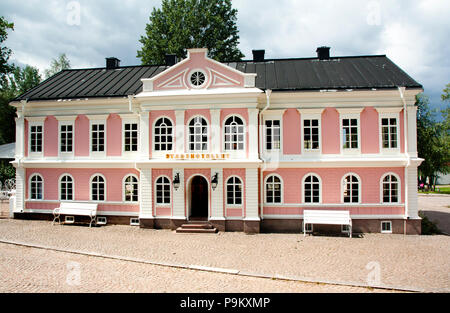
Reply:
x=183, y=24
x=5, y=52
x=57, y=65
x=446, y=93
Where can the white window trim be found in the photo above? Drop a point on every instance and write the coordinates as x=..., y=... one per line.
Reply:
x=359, y=188
x=386, y=231
x=311, y=114
x=59, y=187
x=235, y=153
x=345, y=231
x=66, y=122
x=272, y=117
x=129, y=120
x=234, y=206
x=123, y=188
x=389, y=150
x=342, y=117
x=281, y=190
x=90, y=188
x=162, y=205
x=303, y=189
x=162, y=154
x=399, y=188
x=36, y=123
x=101, y=119
x=188, y=135
x=29, y=187
x=133, y=221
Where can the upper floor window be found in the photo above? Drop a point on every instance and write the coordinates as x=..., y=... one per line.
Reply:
x=311, y=189
x=163, y=135
x=198, y=134
x=66, y=138
x=311, y=134
x=163, y=186
x=350, y=133
x=98, y=188
x=234, y=134
x=351, y=189
x=273, y=134
x=36, y=187
x=130, y=137
x=389, y=133
x=36, y=138
x=273, y=190
x=66, y=188
x=98, y=137
x=131, y=189
x=234, y=191
x=390, y=187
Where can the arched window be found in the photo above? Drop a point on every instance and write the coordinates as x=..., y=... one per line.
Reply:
x=98, y=188
x=234, y=134
x=163, y=135
x=36, y=187
x=390, y=185
x=350, y=189
x=163, y=191
x=66, y=188
x=273, y=189
x=234, y=191
x=198, y=134
x=131, y=188
x=311, y=189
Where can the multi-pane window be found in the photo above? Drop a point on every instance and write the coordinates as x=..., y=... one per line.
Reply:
x=163, y=135
x=350, y=133
x=98, y=188
x=98, y=137
x=131, y=189
x=234, y=134
x=130, y=137
x=36, y=138
x=66, y=137
x=351, y=189
x=234, y=191
x=390, y=189
x=66, y=188
x=389, y=133
x=36, y=187
x=273, y=189
x=311, y=189
x=198, y=134
x=273, y=134
x=163, y=191
x=311, y=134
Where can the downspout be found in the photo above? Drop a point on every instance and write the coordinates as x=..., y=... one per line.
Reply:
x=23, y=102
x=261, y=179
x=408, y=162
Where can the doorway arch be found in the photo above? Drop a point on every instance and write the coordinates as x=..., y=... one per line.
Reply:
x=198, y=197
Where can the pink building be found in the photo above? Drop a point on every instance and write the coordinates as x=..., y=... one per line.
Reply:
x=247, y=146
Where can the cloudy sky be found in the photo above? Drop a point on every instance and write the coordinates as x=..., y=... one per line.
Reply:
x=414, y=34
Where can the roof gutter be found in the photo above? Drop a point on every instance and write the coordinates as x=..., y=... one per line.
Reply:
x=401, y=90
x=264, y=161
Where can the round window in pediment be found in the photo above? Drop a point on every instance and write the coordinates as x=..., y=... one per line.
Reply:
x=198, y=79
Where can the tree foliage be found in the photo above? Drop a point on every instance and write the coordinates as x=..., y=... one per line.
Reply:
x=184, y=24
x=5, y=52
x=57, y=65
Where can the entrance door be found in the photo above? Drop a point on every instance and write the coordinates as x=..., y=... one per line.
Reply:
x=199, y=198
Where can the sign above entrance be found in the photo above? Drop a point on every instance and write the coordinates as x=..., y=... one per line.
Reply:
x=197, y=156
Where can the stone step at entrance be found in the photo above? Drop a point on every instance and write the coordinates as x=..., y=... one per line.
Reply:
x=197, y=227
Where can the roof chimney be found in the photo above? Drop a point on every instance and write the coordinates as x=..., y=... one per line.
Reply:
x=171, y=59
x=258, y=55
x=323, y=53
x=112, y=63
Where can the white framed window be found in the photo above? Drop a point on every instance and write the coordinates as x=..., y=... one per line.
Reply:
x=274, y=189
x=101, y=220
x=311, y=134
x=197, y=78
x=234, y=191
x=66, y=187
x=273, y=134
x=350, y=133
x=98, y=136
x=162, y=188
x=163, y=135
x=131, y=189
x=389, y=128
x=198, y=134
x=345, y=229
x=134, y=221
x=234, y=132
x=130, y=136
x=312, y=189
x=98, y=188
x=308, y=228
x=36, y=187
x=351, y=189
x=390, y=188
x=36, y=137
x=386, y=227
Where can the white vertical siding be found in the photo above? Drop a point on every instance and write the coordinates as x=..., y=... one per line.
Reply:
x=217, y=195
x=144, y=135
x=178, y=196
x=20, y=189
x=413, y=210
x=251, y=188
x=146, y=194
x=179, y=131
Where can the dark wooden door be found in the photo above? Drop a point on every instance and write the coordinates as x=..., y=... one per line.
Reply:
x=199, y=197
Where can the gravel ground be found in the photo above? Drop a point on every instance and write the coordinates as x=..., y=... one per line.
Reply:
x=437, y=209
x=417, y=262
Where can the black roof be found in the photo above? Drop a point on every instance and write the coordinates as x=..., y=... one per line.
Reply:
x=359, y=72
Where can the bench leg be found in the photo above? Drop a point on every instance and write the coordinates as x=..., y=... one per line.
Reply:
x=350, y=230
x=56, y=218
x=92, y=221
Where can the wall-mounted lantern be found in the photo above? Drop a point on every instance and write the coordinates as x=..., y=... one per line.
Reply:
x=215, y=181
x=176, y=181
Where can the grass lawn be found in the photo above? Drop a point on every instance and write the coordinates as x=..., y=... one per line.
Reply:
x=439, y=190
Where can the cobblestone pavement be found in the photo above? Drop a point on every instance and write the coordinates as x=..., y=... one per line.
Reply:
x=437, y=209
x=417, y=262
x=24, y=269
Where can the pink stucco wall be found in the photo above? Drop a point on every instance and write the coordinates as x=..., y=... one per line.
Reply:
x=81, y=138
x=51, y=136
x=292, y=132
x=353, y=210
x=330, y=131
x=232, y=211
x=165, y=210
x=370, y=136
x=114, y=135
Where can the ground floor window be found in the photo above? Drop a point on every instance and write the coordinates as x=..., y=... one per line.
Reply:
x=131, y=189
x=234, y=191
x=163, y=191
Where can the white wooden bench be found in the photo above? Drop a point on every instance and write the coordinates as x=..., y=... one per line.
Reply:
x=76, y=209
x=329, y=217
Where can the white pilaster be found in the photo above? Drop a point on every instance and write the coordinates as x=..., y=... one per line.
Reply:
x=179, y=131
x=178, y=196
x=20, y=190
x=412, y=131
x=145, y=194
x=251, y=194
x=217, y=196
x=20, y=137
x=413, y=207
x=215, y=131
x=144, y=133
x=253, y=133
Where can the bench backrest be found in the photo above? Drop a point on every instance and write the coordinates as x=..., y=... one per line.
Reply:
x=78, y=207
x=326, y=217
